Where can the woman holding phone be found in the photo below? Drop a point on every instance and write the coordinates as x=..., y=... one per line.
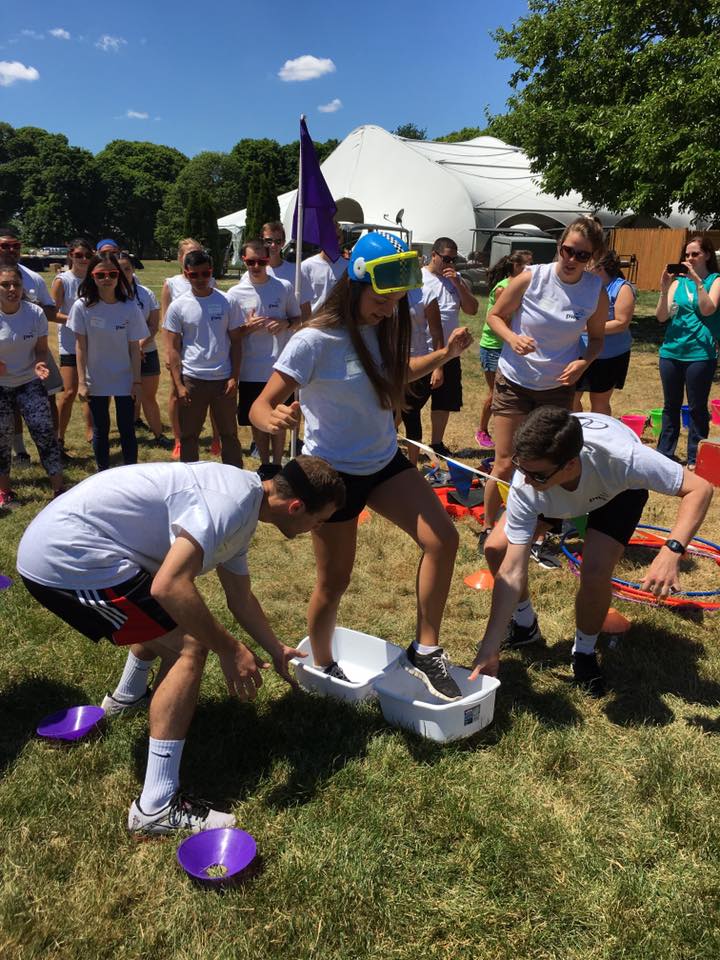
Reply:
x=690, y=301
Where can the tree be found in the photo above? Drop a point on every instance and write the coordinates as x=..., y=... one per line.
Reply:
x=618, y=101
x=200, y=222
x=262, y=204
x=460, y=136
x=410, y=131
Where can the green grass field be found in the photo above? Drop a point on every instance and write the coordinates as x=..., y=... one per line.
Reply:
x=570, y=828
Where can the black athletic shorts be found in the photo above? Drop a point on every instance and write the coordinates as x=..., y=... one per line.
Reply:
x=604, y=375
x=248, y=392
x=359, y=488
x=448, y=396
x=123, y=614
x=619, y=517
x=150, y=364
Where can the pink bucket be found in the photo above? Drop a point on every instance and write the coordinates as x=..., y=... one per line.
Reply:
x=715, y=410
x=635, y=421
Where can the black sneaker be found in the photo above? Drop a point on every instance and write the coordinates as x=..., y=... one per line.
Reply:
x=165, y=443
x=140, y=424
x=541, y=555
x=518, y=636
x=432, y=670
x=22, y=459
x=441, y=449
x=335, y=671
x=587, y=674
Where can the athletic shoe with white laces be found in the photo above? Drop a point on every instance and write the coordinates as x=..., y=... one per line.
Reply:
x=518, y=636
x=335, y=671
x=117, y=708
x=182, y=813
x=432, y=670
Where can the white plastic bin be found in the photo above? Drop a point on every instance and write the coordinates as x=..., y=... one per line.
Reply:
x=364, y=659
x=406, y=702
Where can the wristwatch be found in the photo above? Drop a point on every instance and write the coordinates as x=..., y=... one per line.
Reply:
x=675, y=546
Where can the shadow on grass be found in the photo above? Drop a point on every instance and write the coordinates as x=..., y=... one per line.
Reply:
x=646, y=667
x=233, y=747
x=23, y=705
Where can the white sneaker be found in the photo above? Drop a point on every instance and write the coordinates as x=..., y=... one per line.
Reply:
x=182, y=813
x=116, y=708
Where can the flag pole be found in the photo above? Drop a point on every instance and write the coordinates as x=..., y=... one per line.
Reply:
x=298, y=257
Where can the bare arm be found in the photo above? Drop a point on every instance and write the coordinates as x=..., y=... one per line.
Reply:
x=459, y=340
x=135, y=362
x=81, y=357
x=624, y=309
x=174, y=589
x=269, y=412
x=57, y=292
x=173, y=346
x=165, y=300
x=468, y=303
x=500, y=314
x=41, y=356
x=668, y=286
x=153, y=322
x=236, y=337
x=437, y=338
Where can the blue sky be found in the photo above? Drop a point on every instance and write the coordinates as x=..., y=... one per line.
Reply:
x=190, y=76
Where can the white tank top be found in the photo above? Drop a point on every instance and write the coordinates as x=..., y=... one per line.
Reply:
x=70, y=283
x=554, y=314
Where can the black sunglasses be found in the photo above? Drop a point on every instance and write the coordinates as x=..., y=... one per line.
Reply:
x=570, y=253
x=444, y=259
x=533, y=475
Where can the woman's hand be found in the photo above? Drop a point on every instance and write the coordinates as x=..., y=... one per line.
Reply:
x=277, y=326
x=437, y=378
x=41, y=370
x=284, y=418
x=572, y=373
x=522, y=344
x=83, y=393
x=231, y=387
x=183, y=395
x=136, y=391
x=458, y=341
x=665, y=280
x=692, y=275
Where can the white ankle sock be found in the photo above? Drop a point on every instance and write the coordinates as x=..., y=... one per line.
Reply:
x=162, y=777
x=18, y=443
x=524, y=614
x=423, y=650
x=584, y=642
x=134, y=680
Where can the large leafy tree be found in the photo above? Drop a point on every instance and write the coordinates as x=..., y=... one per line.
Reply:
x=619, y=101
x=137, y=177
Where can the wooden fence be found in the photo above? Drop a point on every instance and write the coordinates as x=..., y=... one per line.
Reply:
x=653, y=249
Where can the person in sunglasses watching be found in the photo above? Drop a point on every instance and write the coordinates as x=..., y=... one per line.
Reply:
x=271, y=313
x=540, y=318
x=351, y=364
x=569, y=465
x=108, y=327
x=442, y=282
x=273, y=236
x=202, y=338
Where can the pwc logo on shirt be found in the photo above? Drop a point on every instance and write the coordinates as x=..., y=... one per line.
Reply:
x=216, y=312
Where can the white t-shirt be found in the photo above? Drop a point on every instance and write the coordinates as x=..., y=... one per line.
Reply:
x=109, y=328
x=274, y=299
x=147, y=301
x=286, y=271
x=120, y=521
x=344, y=422
x=554, y=314
x=420, y=339
x=179, y=284
x=204, y=323
x=447, y=296
x=19, y=333
x=70, y=284
x=613, y=459
x=35, y=288
x=322, y=277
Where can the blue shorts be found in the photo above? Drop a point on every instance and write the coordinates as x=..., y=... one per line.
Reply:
x=489, y=358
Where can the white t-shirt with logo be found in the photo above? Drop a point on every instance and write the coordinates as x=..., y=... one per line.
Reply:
x=286, y=271
x=204, y=323
x=344, y=422
x=70, y=285
x=35, y=288
x=613, y=459
x=121, y=521
x=447, y=296
x=273, y=299
x=110, y=328
x=322, y=277
x=19, y=333
x=554, y=314
x=147, y=301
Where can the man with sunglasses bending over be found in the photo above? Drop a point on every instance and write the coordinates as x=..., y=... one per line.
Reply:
x=442, y=282
x=569, y=465
x=202, y=338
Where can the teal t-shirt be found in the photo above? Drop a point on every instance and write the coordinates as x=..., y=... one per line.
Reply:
x=488, y=339
x=689, y=335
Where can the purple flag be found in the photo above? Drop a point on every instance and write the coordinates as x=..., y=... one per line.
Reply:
x=318, y=205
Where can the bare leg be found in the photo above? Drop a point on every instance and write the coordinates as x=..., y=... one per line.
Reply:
x=600, y=402
x=601, y=555
x=278, y=446
x=407, y=501
x=175, y=693
x=438, y=421
x=505, y=428
x=487, y=404
x=577, y=401
x=262, y=442
x=173, y=414
x=334, y=545
x=150, y=405
x=66, y=399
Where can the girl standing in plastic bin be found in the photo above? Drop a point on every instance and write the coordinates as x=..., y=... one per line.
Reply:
x=351, y=365
x=688, y=355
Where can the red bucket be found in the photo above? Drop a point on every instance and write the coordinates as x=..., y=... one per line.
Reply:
x=635, y=421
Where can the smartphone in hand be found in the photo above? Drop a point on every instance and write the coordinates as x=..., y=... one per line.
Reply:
x=677, y=269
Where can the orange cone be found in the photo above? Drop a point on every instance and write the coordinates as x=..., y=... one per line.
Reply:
x=364, y=516
x=480, y=580
x=615, y=622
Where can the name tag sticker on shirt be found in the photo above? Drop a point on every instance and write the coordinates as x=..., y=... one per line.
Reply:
x=97, y=322
x=353, y=367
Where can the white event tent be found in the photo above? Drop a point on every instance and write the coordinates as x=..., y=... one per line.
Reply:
x=445, y=189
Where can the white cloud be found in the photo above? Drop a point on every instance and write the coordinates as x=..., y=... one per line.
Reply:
x=106, y=43
x=306, y=67
x=331, y=107
x=33, y=34
x=59, y=33
x=137, y=115
x=12, y=70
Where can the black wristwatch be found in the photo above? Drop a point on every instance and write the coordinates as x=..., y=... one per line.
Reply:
x=675, y=546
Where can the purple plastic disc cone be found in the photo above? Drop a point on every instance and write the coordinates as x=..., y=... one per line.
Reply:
x=71, y=723
x=5, y=582
x=213, y=856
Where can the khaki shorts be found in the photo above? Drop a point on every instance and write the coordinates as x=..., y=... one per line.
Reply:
x=511, y=400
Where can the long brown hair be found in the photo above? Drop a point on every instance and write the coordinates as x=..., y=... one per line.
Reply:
x=708, y=249
x=342, y=309
x=88, y=289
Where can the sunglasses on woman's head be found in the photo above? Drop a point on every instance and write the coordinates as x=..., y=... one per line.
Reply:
x=194, y=274
x=105, y=274
x=570, y=253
